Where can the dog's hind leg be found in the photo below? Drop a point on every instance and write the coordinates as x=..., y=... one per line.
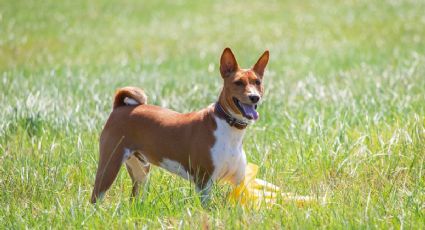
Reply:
x=110, y=161
x=138, y=168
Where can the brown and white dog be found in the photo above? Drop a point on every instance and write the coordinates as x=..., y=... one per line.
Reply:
x=203, y=146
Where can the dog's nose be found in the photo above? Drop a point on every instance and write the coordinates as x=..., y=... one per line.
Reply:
x=254, y=98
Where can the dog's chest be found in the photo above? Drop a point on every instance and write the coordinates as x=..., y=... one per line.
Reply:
x=227, y=153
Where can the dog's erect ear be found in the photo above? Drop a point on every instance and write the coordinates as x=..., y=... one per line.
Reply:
x=261, y=64
x=228, y=64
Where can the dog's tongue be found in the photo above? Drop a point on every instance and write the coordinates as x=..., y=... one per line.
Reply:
x=250, y=111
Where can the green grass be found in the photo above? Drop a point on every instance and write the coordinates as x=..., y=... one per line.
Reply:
x=343, y=116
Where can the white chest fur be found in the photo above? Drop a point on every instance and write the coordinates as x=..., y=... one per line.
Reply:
x=227, y=153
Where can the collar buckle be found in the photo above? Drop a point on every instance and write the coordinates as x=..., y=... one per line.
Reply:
x=231, y=121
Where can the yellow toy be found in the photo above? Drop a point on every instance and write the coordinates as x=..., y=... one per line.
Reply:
x=256, y=192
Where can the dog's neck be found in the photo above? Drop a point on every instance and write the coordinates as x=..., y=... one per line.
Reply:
x=228, y=117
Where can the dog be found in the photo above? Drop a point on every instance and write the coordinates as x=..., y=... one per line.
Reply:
x=203, y=146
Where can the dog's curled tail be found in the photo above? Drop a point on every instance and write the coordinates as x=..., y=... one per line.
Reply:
x=129, y=96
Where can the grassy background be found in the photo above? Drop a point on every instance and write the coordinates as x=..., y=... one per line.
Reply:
x=343, y=114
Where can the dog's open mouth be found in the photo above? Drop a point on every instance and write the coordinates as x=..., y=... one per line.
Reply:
x=248, y=110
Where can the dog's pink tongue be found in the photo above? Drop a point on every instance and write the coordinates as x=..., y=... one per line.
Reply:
x=250, y=111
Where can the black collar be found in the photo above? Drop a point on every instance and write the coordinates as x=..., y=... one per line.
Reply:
x=219, y=111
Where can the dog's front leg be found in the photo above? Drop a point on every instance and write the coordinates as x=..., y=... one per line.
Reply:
x=204, y=191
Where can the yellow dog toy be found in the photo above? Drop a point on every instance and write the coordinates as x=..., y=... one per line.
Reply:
x=255, y=192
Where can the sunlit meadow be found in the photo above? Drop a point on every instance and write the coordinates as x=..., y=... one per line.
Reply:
x=343, y=115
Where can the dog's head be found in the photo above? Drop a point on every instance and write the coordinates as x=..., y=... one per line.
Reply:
x=243, y=88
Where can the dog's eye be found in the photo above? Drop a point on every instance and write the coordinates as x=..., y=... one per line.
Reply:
x=238, y=83
x=257, y=82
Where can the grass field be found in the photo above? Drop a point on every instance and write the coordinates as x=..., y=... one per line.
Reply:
x=343, y=116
